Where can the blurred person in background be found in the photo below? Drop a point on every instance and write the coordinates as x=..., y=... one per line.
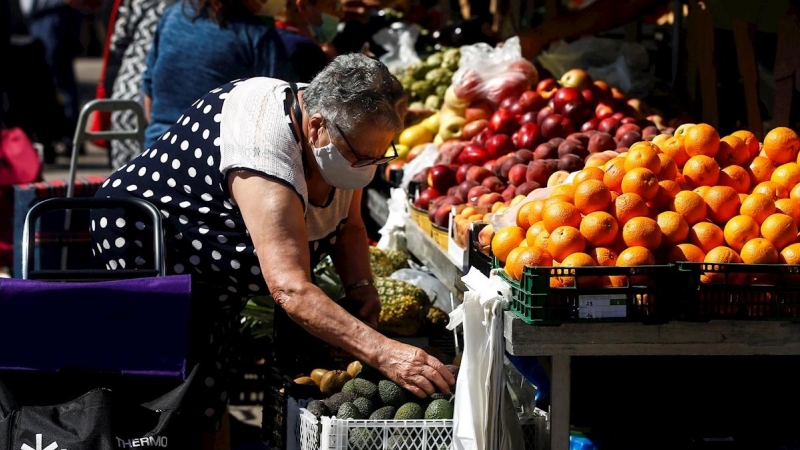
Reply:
x=132, y=37
x=202, y=44
x=57, y=24
x=305, y=25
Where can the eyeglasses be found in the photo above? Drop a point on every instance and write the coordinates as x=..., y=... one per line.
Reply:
x=363, y=162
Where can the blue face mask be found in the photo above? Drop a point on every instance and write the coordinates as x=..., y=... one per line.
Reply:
x=327, y=31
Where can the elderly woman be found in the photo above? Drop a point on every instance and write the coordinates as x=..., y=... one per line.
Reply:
x=257, y=182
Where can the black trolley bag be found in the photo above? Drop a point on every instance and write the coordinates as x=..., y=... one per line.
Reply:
x=99, y=362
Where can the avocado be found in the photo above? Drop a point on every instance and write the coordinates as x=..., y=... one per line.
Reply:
x=361, y=387
x=439, y=410
x=336, y=400
x=399, y=442
x=385, y=413
x=364, y=406
x=391, y=394
x=409, y=411
x=318, y=408
x=439, y=396
x=364, y=439
x=348, y=411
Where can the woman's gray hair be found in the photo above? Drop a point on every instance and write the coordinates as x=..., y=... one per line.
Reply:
x=355, y=90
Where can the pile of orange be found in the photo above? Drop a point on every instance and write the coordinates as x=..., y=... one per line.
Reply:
x=692, y=197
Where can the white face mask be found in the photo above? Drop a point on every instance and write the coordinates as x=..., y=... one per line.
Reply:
x=338, y=171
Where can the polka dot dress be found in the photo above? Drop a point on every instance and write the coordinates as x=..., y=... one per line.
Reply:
x=205, y=235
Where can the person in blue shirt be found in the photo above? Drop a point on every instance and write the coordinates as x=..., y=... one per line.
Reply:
x=202, y=44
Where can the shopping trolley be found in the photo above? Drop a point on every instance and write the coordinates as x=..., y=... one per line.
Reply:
x=95, y=359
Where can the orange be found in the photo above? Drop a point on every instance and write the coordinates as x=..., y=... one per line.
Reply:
x=790, y=254
x=555, y=199
x=660, y=139
x=669, y=170
x=541, y=240
x=529, y=257
x=742, y=197
x=701, y=191
x=789, y=207
x=732, y=150
x=759, y=251
x=615, y=171
x=779, y=229
x=635, y=256
x=578, y=260
x=723, y=203
x=675, y=149
x=721, y=255
x=506, y=239
x=533, y=231
x=685, y=252
x=667, y=190
x=599, y=228
x=706, y=236
x=523, y=215
x=690, y=205
x=781, y=145
x=535, y=211
x=561, y=214
x=787, y=175
x=683, y=129
x=674, y=228
x=591, y=196
x=758, y=206
x=771, y=189
x=749, y=139
x=627, y=206
x=794, y=194
x=511, y=260
x=604, y=256
x=640, y=181
x=760, y=169
x=566, y=190
x=642, y=232
x=701, y=170
x=643, y=154
x=735, y=177
x=739, y=230
x=565, y=241
x=701, y=139
x=589, y=173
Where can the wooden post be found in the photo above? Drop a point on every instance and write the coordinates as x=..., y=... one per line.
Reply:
x=787, y=71
x=560, y=408
x=749, y=74
x=701, y=50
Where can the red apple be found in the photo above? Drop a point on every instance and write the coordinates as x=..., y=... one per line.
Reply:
x=539, y=171
x=503, y=121
x=545, y=151
x=526, y=188
x=608, y=125
x=477, y=110
x=577, y=111
x=576, y=78
x=489, y=199
x=530, y=135
x=453, y=192
x=590, y=95
x=472, y=129
x=525, y=155
x=590, y=124
x=483, y=136
x=572, y=147
x=509, y=192
x=425, y=197
x=475, y=193
x=618, y=115
x=473, y=154
x=600, y=142
x=570, y=163
x=528, y=117
x=624, y=128
x=461, y=173
x=556, y=125
x=442, y=216
x=629, y=138
x=490, y=165
x=515, y=109
x=441, y=177
x=467, y=87
x=582, y=138
x=547, y=88
x=477, y=174
x=515, y=139
x=543, y=114
x=516, y=175
x=628, y=120
x=504, y=166
x=506, y=103
x=464, y=187
x=531, y=101
x=564, y=96
x=649, y=133
x=603, y=111
x=499, y=145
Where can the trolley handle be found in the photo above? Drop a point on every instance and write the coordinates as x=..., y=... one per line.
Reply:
x=61, y=204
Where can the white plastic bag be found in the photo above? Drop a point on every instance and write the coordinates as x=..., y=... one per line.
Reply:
x=399, y=41
x=393, y=235
x=424, y=160
x=485, y=418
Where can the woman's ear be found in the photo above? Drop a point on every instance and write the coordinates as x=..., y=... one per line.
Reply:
x=315, y=124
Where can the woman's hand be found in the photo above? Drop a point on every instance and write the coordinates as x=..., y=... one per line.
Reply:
x=414, y=370
x=369, y=305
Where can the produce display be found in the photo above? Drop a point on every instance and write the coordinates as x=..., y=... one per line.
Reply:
x=693, y=196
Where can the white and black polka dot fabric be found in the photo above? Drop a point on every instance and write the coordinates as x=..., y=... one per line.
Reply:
x=205, y=235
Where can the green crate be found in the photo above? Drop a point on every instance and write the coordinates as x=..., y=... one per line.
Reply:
x=739, y=292
x=646, y=294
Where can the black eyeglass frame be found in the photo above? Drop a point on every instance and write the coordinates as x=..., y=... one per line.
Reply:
x=368, y=161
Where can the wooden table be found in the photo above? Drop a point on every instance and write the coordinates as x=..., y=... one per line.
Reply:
x=561, y=343
x=435, y=258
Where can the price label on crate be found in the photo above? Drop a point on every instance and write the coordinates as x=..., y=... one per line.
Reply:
x=604, y=306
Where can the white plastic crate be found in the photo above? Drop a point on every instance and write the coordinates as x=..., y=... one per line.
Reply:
x=336, y=434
